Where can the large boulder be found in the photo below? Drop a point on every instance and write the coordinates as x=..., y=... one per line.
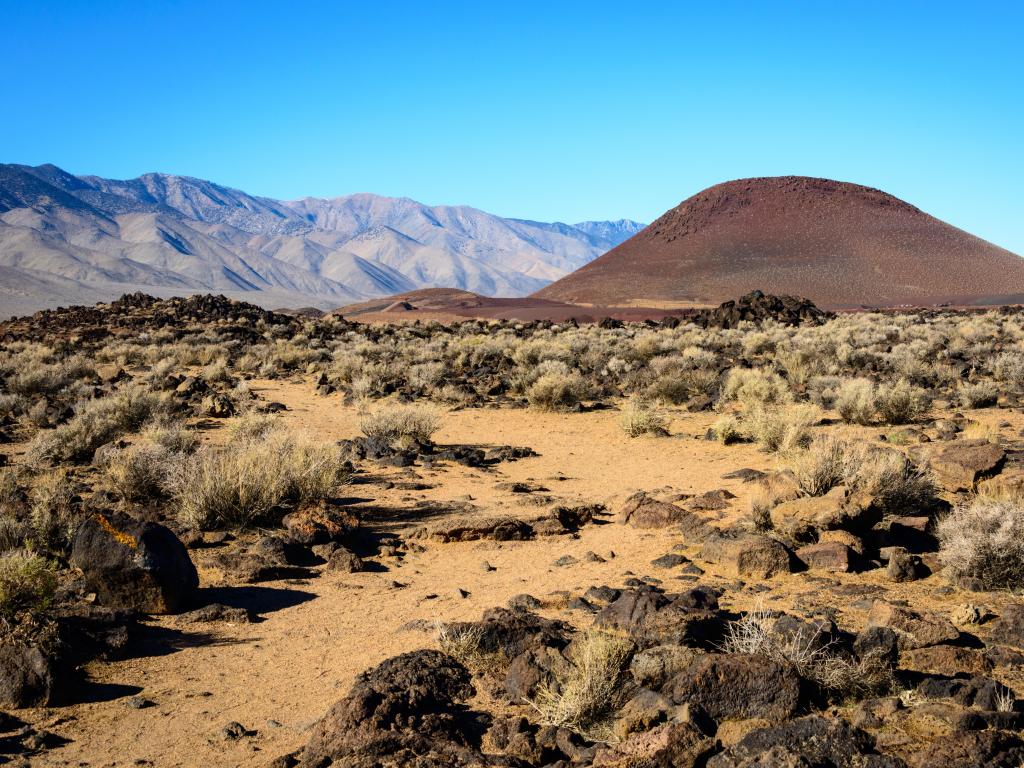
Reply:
x=738, y=687
x=319, y=524
x=643, y=511
x=135, y=565
x=971, y=749
x=748, y=556
x=405, y=711
x=672, y=745
x=960, y=464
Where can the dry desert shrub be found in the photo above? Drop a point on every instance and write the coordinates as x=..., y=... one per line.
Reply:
x=982, y=543
x=557, y=391
x=901, y=403
x=781, y=430
x=727, y=429
x=891, y=478
x=246, y=482
x=252, y=426
x=394, y=422
x=841, y=675
x=138, y=472
x=639, y=418
x=53, y=516
x=755, y=387
x=95, y=423
x=855, y=401
x=592, y=689
x=27, y=585
x=978, y=394
x=822, y=467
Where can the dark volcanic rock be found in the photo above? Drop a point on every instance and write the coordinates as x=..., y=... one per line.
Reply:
x=135, y=565
x=738, y=686
x=27, y=676
x=805, y=742
x=406, y=711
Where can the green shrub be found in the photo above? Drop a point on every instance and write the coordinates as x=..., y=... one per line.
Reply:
x=27, y=584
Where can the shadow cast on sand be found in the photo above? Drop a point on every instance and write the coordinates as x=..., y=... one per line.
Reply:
x=257, y=600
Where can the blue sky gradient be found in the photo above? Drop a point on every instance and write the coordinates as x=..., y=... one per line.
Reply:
x=554, y=111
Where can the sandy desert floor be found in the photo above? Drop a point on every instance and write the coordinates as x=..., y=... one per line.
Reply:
x=278, y=675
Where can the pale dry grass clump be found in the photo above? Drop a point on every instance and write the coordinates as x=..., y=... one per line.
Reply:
x=52, y=514
x=727, y=429
x=27, y=584
x=841, y=675
x=592, y=690
x=755, y=388
x=855, y=401
x=887, y=475
x=901, y=403
x=639, y=418
x=978, y=394
x=95, y=423
x=557, y=391
x=464, y=643
x=781, y=430
x=393, y=422
x=983, y=543
x=246, y=482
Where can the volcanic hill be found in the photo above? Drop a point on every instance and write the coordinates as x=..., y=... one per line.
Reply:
x=841, y=245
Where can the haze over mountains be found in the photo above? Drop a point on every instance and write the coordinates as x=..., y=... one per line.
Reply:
x=841, y=245
x=81, y=239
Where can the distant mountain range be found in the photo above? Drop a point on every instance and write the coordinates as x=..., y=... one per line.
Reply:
x=80, y=239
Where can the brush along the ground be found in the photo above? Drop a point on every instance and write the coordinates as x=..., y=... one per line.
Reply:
x=393, y=422
x=27, y=585
x=842, y=675
x=981, y=544
x=586, y=697
x=246, y=482
x=639, y=418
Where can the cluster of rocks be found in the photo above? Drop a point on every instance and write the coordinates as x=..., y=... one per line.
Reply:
x=758, y=307
x=682, y=700
x=135, y=312
x=409, y=452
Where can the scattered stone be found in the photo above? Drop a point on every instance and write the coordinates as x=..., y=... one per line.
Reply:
x=738, y=686
x=1008, y=629
x=216, y=612
x=566, y=560
x=904, y=567
x=345, y=561
x=668, y=561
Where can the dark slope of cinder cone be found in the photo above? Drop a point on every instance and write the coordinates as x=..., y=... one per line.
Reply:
x=839, y=244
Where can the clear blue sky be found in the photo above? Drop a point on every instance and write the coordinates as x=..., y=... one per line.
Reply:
x=551, y=110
